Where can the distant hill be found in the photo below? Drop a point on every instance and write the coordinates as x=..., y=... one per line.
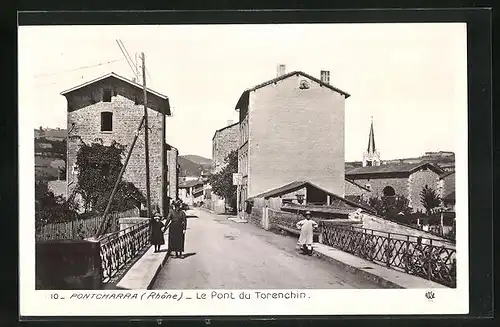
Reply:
x=54, y=134
x=193, y=165
x=198, y=159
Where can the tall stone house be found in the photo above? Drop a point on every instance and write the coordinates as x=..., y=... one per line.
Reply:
x=291, y=128
x=224, y=141
x=110, y=108
x=397, y=179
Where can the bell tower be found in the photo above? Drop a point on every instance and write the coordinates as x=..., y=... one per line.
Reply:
x=371, y=157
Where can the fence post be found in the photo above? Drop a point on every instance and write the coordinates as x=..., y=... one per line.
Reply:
x=429, y=268
x=388, y=250
x=407, y=259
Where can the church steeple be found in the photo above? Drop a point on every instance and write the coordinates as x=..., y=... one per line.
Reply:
x=371, y=157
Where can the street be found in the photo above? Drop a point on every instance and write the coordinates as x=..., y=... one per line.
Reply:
x=222, y=254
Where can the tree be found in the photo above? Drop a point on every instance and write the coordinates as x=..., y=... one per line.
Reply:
x=222, y=181
x=391, y=206
x=50, y=208
x=98, y=169
x=429, y=199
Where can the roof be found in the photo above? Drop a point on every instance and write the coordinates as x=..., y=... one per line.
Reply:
x=221, y=129
x=447, y=174
x=297, y=185
x=284, y=76
x=358, y=185
x=393, y=168
x=317, y=209
x=126, y=80
x=188, y=184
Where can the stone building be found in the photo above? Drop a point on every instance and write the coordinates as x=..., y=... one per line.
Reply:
x=172, y=172
x=291, y=128
x=397, y=179
x=191, y=192
x=446, y=189
x=110, y=108
x=224, y=141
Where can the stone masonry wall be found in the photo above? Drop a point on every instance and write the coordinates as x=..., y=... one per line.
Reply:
x=377, y=185
x=126, y=118
x=172, y=156
x=224, y=141
x=351, y=189
x=283, y=218
x=256, y=216
x=417, y=182
x=296, y=134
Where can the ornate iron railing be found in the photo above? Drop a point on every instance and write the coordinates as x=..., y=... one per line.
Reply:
x=419, y=256
x=119, y=248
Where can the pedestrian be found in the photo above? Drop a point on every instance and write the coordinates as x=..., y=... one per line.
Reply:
x=306, y=227
x=177, y=230
x=157, y=238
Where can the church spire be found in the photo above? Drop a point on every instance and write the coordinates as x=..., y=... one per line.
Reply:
x=371, y=157
x=371, y=140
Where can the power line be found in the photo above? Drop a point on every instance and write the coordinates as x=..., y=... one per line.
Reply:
x=79, y=68
x=129, y=61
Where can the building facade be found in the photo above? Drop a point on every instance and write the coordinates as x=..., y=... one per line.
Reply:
x=398, y=179
x=110, y=108
x=172, y=172
x=291, y=128
x=191, y=192
x=224, y=141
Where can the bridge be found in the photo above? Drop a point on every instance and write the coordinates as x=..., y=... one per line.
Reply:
x=223, y=254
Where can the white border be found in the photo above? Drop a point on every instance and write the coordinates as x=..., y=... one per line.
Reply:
x=319, y=302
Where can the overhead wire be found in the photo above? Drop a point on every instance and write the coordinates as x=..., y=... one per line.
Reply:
x=79, y=68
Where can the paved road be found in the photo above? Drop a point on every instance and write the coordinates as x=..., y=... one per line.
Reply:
x=222, y=254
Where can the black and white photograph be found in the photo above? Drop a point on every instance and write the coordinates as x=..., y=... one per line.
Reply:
x=248, y=169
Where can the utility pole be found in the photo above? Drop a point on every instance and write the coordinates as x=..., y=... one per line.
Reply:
x=146, y=139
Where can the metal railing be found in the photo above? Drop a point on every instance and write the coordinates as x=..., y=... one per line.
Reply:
x=418, y=256
x=119, y=248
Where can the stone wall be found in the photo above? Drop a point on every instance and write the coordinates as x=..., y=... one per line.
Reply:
x=224, y=141
x=68, y=265
x=417, y=181
x=377, y=185
x=172, y=173
x=85, y=122
x=256, y=216
x=283, y=218
x=295, y=134
x=353, y=190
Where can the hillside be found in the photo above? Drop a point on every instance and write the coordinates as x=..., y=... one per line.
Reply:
x=199, y=160
x=193, y=165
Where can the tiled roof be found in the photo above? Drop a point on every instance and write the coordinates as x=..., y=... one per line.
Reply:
x=297, y=185
x=187, y=184
x=282, y=77
x=447, y=174
x=126, y=80
x=392, y=168
x=358, y=185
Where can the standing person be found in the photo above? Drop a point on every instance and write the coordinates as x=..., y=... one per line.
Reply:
x=157, y=238
x=177, y=231
x=306, y=227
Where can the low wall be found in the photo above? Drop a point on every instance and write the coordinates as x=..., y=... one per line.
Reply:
x=387, y=226
x=256, y=216
x=283, y=218
x=68, y=265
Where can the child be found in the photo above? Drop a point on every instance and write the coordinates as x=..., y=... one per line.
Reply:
x=306, y=227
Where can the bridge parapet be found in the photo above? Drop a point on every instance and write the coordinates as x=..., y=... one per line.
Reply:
x=423, y=257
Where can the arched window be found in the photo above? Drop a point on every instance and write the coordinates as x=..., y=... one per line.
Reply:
x=106, y=121
x=389, y=191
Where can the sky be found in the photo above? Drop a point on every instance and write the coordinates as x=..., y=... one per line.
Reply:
x=409, y=77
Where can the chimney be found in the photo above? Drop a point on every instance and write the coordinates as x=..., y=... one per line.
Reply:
x=325, y=76
x=229, y=122
x=281, y=70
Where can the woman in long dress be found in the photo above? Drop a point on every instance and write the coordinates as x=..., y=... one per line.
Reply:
x=176, y=235
x=306, y=227
x=157, y=238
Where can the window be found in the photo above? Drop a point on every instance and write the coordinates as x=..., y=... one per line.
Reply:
x=304, y=84
x=325, y=76
x=106, y=121
x=106, y=95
